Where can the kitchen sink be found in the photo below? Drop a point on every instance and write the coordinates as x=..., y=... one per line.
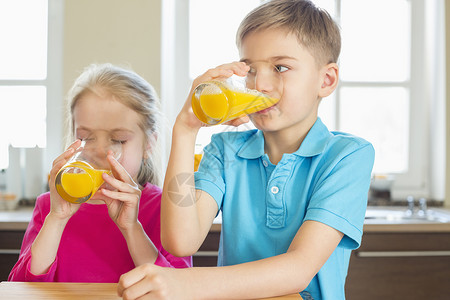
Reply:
x=396, y=215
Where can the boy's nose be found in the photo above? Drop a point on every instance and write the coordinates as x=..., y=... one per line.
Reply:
x=264, y=81
x=266, y=78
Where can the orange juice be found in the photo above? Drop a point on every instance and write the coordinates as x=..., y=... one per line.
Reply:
x=78, y=181
x=216, y=102
x=197, y=159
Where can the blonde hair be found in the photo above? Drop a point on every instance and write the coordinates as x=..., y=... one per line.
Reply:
x=313, y=26
x=132, y=91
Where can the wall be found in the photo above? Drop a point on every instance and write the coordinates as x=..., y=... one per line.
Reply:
x=126, y=33
x=447, y=58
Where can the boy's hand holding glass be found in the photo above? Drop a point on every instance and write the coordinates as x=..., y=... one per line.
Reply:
x=219, y=101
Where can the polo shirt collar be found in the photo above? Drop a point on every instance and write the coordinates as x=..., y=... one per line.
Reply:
x=313, y=144
x=253, y=147
x=315, y=141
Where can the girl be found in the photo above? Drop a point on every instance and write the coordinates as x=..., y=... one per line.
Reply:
x=117, y=229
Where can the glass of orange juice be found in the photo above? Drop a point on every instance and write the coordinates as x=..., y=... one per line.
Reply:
x=81, y=176
x=218, y=101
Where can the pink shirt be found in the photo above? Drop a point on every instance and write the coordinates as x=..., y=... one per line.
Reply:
x=92, y=248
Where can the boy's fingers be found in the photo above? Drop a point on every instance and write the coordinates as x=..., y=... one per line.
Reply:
x=224, y=71
x=132, y=277
x=239, y=121
x=238, y=67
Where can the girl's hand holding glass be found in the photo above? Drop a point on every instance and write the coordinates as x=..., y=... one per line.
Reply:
x=81, y=177
x=59, y=207
x=122, y=195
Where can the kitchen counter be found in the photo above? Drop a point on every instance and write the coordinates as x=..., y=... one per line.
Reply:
x=18, y=220
x=390, y=221
x=395, y=219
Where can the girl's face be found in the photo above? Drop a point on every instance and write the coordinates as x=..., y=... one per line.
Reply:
x=101, y=117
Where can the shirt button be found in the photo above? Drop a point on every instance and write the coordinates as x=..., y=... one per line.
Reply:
x=265, y=163
x=274, y=190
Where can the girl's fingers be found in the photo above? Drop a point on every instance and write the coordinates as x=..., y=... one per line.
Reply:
x=68, y=153
x=120, y=185
x=121, y=196
x=119, y=173
x=61, y=160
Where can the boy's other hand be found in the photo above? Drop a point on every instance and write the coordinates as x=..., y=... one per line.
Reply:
x=153, y=282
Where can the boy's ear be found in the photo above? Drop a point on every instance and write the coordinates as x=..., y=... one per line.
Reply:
x=330, y=79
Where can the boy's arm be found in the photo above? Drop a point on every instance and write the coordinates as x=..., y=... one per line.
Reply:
x=283, y=274
x=186, y=214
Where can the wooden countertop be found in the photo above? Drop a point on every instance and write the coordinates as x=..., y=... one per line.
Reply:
x=72, y=291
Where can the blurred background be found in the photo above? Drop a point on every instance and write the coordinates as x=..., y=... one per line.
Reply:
x=392, y=87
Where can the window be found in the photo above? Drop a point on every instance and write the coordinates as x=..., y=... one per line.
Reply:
x=30, y=83
x=22, y=74
x=391, y=78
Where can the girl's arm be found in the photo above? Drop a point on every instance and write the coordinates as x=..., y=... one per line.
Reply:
x=21, y=270
x=141, y=248
x=187, y=214
x=283, y=274
x=46, y=244
x=123, y=207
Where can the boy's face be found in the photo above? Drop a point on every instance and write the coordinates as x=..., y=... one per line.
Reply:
x=302, y=80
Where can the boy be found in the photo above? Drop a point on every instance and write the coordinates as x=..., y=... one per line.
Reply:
x=292, y=194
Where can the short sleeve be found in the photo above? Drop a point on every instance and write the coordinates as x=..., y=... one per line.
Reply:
x=339, y=197
x=210, y=174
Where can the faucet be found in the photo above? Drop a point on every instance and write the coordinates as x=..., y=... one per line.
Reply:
x=422, y=212
x=410, y=210
x=422, y=208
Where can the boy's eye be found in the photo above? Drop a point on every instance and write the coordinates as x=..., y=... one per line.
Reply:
x=251, y=73
x=281, y=69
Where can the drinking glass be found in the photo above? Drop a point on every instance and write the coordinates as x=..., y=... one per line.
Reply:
x=218, y=101
x=81, y=176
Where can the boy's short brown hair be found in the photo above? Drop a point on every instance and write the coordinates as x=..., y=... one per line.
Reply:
x=313, y=26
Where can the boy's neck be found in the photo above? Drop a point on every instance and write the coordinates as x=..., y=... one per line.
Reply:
x=286, y=141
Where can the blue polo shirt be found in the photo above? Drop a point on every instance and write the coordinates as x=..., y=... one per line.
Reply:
x=263, y=205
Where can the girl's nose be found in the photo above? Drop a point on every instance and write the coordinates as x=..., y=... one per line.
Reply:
x=96, y=150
